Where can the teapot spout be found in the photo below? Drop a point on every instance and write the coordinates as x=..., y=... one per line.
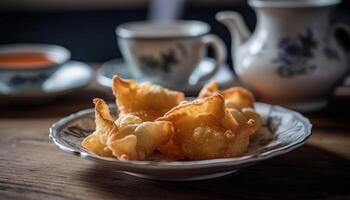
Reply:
x=238, y=30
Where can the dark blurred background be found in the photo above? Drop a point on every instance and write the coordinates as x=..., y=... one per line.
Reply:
x=86, y=27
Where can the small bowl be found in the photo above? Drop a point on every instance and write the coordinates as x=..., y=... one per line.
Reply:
x=14, y=78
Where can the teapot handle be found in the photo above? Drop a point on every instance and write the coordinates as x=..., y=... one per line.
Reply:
x=341, y=32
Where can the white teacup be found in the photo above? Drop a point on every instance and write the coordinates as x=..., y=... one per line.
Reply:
x=168, y=53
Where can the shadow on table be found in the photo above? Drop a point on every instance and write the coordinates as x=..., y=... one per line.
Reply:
x=305, y=173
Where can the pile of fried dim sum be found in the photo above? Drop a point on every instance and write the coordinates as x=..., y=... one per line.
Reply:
x=155, y=120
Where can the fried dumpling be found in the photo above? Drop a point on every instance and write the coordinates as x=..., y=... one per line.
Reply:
x=145, y=100
x=235, y=97
x=205, y=129
x=238, y=97
x=132, y=139
x=209, y=89
x=238, y=100
x=248, y=120
x=96, y=142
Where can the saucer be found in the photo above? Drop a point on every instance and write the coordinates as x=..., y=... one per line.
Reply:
x=71, y=76
x=224, y=76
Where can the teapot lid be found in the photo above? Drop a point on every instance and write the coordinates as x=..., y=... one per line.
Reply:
x=292, y=3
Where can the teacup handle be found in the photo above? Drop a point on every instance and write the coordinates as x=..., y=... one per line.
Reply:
x=219, y=51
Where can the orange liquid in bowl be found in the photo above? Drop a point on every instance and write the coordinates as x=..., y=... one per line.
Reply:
x=24, y=60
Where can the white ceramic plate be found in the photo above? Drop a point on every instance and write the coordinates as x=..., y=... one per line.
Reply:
x=224, y=76
x=283, y=131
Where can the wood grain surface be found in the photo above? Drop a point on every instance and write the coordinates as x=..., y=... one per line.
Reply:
x=32, y=167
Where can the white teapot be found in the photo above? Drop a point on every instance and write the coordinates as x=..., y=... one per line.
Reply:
x=293, y=57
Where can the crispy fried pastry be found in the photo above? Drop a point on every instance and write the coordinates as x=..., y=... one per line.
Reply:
x=127, y=138
x=96, y=142
x=145, y=100
x=132, y=139
x=209, y=89
x=205, y=129
x=235, y=97
x=217, y=125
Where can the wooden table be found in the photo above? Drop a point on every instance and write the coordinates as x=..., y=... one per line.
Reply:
x=32, y=167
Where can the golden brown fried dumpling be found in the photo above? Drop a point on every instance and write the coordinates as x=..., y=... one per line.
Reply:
x=146, y=100
x=96, y=142
x=204, y=129
x=246, y=114
x=238, y=97
x=235, y=97
x=247, y=119
x=132, y=139
x=209, y=89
